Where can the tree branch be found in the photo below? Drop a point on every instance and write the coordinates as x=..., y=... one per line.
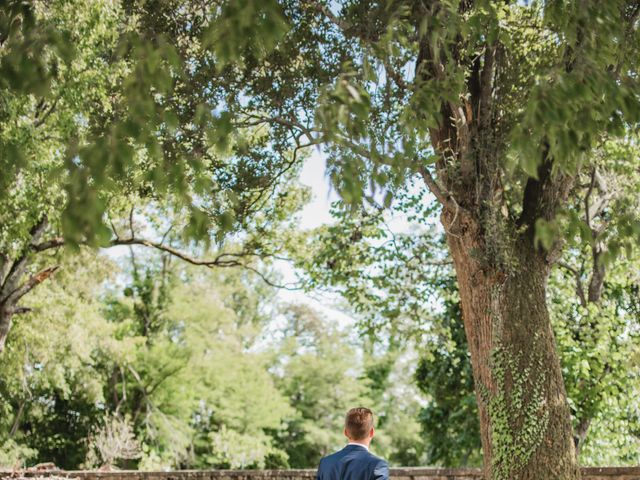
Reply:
x=5, y=263
x=337, y=21
x=443, y=196
x=225, y=259
x=578, y=277
x=587, y=199
x=40, y=119
x=543, y=195
x=18, y=267
x=12, y=297
x=20, y=310
x=486, y=87
x=596, y=282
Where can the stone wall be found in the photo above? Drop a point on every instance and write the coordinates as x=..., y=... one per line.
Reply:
x=607, y=473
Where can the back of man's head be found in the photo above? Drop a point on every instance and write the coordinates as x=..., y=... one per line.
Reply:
x=358, y=423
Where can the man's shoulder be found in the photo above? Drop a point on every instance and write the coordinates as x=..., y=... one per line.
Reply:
x=377, y=460
x=360, y=461
x=332, y=457
x=363, y=454
x=379, y=467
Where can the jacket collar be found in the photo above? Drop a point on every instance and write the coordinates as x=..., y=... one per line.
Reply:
x=356, y=445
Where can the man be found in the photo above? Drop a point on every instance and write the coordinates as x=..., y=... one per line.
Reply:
x=354, y=462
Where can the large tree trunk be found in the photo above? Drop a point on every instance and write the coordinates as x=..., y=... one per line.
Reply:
x=524, y=416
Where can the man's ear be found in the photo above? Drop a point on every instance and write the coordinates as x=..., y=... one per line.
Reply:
x=371, y=432
x=346, y=434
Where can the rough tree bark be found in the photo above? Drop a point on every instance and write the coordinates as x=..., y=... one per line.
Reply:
x=525, y=421
x=524, y=416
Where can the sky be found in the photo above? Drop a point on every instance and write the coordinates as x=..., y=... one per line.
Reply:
x=313, y=175
x=315, y=214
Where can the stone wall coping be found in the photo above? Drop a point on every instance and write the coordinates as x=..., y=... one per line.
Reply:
x=417, y=473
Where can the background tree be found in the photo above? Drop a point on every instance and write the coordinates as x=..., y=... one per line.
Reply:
x=388, y=375
x=444, y=375
x=131, y=356
x=317, y=370
x=498, y=108
x=602, y=313
x=191, y=390
x=107, y=117
x=147, y=352
x=51, y=381
x=325, y=369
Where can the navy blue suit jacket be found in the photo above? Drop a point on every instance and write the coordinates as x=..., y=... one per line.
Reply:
x=353, y=462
